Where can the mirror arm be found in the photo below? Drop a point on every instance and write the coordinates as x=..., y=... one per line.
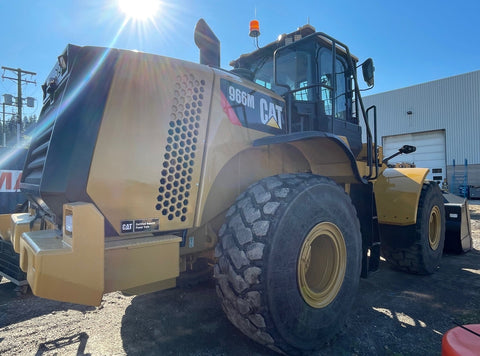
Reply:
x=405, y=149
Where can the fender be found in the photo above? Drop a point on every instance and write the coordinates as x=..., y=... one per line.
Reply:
x=316, y=152
x=327, y=154
x=397, y=193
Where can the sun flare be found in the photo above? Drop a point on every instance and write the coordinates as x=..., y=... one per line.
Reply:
x=140, y=10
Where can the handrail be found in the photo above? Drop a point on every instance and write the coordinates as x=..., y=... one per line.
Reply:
x=375, y=145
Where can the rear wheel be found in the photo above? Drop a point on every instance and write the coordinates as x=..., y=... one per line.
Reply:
x=424, y=254
x=10, y=261
x=289, y=261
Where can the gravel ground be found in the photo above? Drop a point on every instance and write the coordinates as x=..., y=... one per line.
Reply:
x=394, y=314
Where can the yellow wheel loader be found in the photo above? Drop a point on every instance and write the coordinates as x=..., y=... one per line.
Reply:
x=148, y=171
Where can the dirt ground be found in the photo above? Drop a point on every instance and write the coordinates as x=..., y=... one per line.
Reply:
x=395, y=314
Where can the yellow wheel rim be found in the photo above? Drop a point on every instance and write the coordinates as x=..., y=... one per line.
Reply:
x=434, y=228
x=322, y=264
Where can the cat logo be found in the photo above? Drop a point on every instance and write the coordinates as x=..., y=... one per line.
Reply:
x=251, y=108
x=271, y=114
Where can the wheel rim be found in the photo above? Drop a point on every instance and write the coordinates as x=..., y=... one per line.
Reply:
x=322, y=264
x=434, y=228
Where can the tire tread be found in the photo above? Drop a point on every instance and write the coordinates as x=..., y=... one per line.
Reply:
x=252, y=215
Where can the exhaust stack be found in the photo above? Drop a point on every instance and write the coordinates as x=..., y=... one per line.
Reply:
x=208, y=44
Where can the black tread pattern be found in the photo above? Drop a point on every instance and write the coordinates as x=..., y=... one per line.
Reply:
x=10, y=261
x=242, y=245
x=417, y=258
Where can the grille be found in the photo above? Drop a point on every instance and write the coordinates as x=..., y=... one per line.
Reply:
x=180, y=150
x=36, y=158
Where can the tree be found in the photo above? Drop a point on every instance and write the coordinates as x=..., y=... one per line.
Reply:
x=28, y=123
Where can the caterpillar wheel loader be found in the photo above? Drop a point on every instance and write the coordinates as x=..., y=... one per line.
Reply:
x=148, y=171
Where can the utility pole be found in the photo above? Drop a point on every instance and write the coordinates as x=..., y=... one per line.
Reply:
x=20, y=80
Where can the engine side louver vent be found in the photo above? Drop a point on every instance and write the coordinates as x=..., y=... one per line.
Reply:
x=36, y=157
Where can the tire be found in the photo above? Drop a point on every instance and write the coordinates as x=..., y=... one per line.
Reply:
x=274, y=235
x=10, y=261
x=423, y=255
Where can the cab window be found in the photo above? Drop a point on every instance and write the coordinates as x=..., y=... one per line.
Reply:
x=342, y=85
x=295, y=70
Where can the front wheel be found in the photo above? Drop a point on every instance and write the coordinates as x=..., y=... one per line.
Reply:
x=423, y=255
x=289, y=261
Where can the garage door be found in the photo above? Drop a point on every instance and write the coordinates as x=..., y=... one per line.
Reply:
x=430, y=151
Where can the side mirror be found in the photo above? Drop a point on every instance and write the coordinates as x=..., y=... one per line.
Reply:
x=406, y=149
x=367, y=70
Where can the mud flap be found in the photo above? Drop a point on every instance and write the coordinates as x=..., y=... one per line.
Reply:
x=458, y=234
x=67, y=265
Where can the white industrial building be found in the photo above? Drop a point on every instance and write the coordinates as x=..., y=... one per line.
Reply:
x=442, y=119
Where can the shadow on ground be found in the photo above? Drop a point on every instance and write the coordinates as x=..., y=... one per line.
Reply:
x=401, y=314
x=394, y=314
x=17, y=308
x=57, y=345
x=187, y=321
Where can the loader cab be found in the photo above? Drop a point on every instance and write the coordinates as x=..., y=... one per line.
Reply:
x=314, y=74
x=318, y=85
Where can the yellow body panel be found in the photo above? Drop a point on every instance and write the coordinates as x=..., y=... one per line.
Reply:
x=397, y=193
x=228, y=156
x=78, y=266
x=67, y=266
x=327, y=158
x=140, y=262
x=185, y=162
x=231, y=164
x=148, y=157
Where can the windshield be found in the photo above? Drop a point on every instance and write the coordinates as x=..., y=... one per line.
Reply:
x=296, y=70
x=262, y=70
x=310, y=65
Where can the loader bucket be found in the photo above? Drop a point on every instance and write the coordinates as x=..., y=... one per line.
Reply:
x=458, y=233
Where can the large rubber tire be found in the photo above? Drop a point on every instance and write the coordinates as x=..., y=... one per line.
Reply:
x=289, y=261
x=424, y=254
x=10, y=261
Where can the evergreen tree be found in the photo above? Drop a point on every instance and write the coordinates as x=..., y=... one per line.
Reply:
x=28, y=123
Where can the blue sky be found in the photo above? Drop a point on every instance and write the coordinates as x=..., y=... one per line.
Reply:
x=410, y=41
